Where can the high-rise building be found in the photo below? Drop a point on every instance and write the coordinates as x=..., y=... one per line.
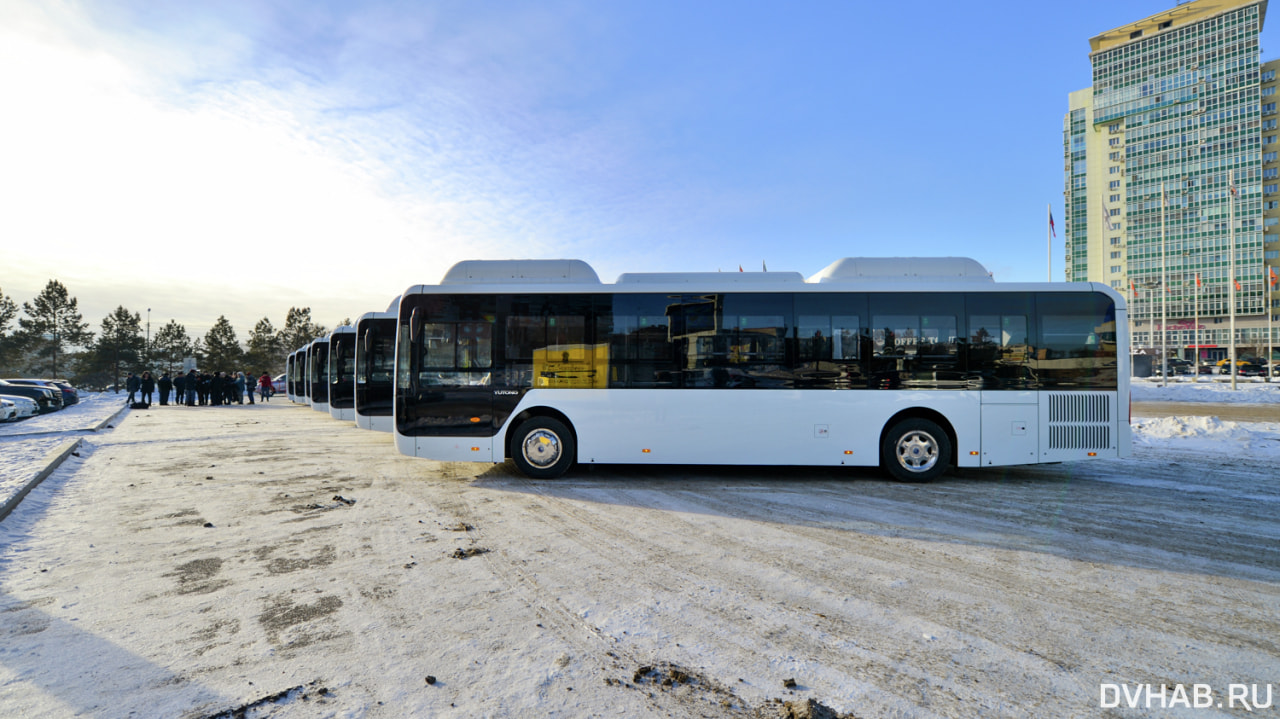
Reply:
x=1172, y=192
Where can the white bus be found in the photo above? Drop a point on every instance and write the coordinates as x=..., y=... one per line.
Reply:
x=318, y=374
x=341, y=371
x=295, y=374
x=375, y=368
x=913, y=365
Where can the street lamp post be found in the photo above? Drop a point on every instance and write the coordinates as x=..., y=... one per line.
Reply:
x=146, y=354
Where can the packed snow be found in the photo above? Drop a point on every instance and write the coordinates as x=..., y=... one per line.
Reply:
x=269, y=561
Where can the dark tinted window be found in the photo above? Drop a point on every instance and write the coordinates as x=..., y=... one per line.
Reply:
x=1000, y=334
x=916, y=340
x=1076, y=341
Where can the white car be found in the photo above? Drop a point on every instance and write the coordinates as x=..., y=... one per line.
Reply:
x=8, y=410
x=23, y=407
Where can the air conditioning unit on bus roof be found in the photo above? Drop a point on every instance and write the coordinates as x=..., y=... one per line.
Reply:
x=862, y=269
x=549, y=271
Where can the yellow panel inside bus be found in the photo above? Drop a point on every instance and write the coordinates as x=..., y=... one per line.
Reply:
x=577, y=366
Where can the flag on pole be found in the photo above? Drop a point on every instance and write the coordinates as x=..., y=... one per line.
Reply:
x=1237, y=285
x=1106, y=217
x=1052, y=231
x=1134, y=288
x=1274, y=279
x=764, y=266
x=1198, y=280
x=739, y=268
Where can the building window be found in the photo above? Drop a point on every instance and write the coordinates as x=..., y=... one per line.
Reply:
x=1268, y=91
x=1269, y=189
x=1115, y=269
x=1271, y=221
x=1114, y=211
x=1113, y=127
x=1115, y=255
x=1115, y=155
x=1115, y=240
x=1115, y=185
x=1114, y=169
x=1268, y=157
x=1271, y=173
x=1269, y=75
x=1269, y=108
x=1114, y=141
x=1115, y=198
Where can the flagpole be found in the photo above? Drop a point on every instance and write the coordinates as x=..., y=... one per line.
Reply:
x=1195, y=331
x=1164, y=285
x=1231, y=281
x=1048, y=238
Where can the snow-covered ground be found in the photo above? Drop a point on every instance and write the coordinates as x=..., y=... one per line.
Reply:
x=24, y=445
x=267, y=560
x=1251, y=390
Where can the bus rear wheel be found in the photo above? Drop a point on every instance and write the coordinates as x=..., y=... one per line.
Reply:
x=543, y=448
x=915, y=450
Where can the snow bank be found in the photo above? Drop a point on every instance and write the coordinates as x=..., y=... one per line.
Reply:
x=1204, y=389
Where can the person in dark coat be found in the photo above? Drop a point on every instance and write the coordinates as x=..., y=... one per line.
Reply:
x=202, y=388
x=165, y=384
x=179, y=388
x=148, y=386
x=190, y=385
x=132, y=384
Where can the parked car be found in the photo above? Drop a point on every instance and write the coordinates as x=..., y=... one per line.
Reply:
x=280, y=383
x=48, y=399
x=25, y=406
x=1252, y=370
x=1176, y=367
x=69, y=394
x=8, y=410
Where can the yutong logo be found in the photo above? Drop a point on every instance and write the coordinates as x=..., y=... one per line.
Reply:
x=507, y=392
x=1199, y=696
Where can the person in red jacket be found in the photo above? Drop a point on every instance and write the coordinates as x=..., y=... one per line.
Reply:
x=265, y=388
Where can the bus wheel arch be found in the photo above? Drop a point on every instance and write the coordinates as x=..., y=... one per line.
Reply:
x=917, y=445
x=542, y=443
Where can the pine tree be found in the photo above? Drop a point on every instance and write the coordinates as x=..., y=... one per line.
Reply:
x=265, y=353
x=172, y=345
x=221, y=348
x=120, y=346
x=9, y=344
x=53, y=325
x=299, y=330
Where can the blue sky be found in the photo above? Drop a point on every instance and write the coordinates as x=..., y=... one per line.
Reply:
x=239, y=158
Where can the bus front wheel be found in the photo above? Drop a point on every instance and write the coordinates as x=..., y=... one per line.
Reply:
x=543, y=448
x=915, y=450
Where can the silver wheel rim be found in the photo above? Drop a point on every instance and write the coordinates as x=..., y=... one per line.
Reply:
x=917, y=451
x=541, y=448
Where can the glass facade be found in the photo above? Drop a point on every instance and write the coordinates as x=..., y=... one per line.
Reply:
x=1180, y=111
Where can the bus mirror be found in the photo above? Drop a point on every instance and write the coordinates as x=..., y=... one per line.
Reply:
x=366, y=340
x=413, y=325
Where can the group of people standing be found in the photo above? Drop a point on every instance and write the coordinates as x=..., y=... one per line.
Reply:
x=199, y=388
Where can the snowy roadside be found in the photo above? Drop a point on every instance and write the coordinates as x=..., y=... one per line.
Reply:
x=1250, y=390
x=25, y=445
x=271, y=562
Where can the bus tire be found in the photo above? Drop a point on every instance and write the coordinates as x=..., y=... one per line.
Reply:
x=915, y=450
x=543, y=448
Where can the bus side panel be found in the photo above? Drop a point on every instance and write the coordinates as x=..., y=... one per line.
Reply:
x=773, y=427
x=450, y=449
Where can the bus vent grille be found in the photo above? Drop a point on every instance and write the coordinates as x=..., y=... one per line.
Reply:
x=1080, y=420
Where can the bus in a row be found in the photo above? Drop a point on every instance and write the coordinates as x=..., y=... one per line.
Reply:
x=913, y=365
